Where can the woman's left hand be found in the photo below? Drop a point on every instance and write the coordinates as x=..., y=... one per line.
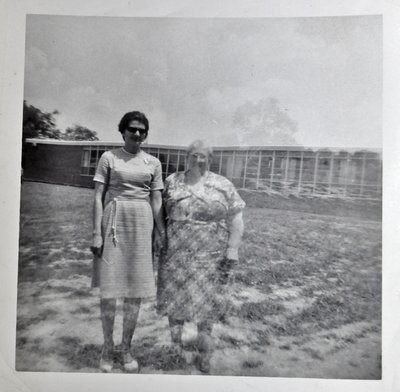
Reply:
x=224, y=270
x=160, y=241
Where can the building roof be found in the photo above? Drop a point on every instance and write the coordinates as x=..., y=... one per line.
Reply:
x=217, y=148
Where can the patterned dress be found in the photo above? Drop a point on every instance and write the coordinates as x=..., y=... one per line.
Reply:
x=197, y=229
x=125, y=268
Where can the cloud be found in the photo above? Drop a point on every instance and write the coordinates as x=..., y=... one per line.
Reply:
x=190, y=74
x=41, y=80
x=36, y=59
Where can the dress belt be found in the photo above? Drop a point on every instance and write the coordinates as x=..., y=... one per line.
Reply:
x=114, y=221
x=198, y=221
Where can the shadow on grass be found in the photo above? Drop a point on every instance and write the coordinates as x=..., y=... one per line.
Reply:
x=41, y=273
x=252, y=363
x=82, y=310
x=165, y=358
x=333, y=310
x=80, y=356
x=26, y=322
x=77, y=355
x=258, y=311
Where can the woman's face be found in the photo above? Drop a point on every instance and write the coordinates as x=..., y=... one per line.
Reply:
x=135, y=133
x=198, y=159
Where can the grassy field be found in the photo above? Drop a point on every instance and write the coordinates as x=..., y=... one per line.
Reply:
x=307, y=292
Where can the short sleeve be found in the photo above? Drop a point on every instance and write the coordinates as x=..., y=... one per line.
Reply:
x=166, y=185
x=103, y=169
x=157, y=182
x=235, y=202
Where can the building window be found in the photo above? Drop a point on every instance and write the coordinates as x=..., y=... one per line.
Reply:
x=90, y=159
x=324, y=172
x=171, y=160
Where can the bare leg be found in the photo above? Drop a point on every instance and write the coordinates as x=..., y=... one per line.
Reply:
x=205, y=345
x=175, y=327
x=130, y=315
x=107, y=310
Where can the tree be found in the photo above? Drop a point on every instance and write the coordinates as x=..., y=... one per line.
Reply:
x=264, y=123
x=78, y=132
x=38, y=124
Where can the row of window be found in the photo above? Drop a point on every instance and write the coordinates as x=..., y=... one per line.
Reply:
x=361, y=171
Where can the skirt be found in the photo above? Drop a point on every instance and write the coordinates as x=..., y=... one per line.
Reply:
x=188, y=278
x=125, y=269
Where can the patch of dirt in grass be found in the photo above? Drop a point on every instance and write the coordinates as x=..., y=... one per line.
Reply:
x=328, y=205
x=244, y=294
x=306, y=296
x=290, y=297
x=258, y=311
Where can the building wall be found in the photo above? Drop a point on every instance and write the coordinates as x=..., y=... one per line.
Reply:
x=300, y=171
x=60, y=164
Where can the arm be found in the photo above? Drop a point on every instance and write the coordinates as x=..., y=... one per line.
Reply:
x=158, y=213
x=156, y=197
x=235, y=228
x=98, y=205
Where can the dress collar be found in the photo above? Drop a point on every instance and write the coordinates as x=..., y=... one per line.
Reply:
x=129, y=153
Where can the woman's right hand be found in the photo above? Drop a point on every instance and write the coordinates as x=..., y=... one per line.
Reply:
x=97, y=245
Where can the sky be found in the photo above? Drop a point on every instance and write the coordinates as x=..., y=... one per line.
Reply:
x=190, y=76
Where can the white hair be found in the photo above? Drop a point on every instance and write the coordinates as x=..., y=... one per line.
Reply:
x=200, y=144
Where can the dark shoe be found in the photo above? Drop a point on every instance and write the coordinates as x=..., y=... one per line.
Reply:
x=176, y=334
x=203, y=363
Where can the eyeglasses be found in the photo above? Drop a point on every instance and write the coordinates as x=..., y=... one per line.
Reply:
x=198, y=156
x=140, y=130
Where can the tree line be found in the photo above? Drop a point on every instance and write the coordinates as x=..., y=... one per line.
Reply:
x=42, y=125
x=264, y=122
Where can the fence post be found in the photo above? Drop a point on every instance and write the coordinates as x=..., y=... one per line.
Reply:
x=167, y=164
x=286, y=169
x=272, y=169
x=346, y=175
x=363, y=174
x=301, y=172
x=177, y=162
x=245, y=168
x=315, y=171
x=258, y=169
x=330, y=174
x=233, y=164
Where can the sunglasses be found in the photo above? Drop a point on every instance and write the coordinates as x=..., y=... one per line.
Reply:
x=141, y=131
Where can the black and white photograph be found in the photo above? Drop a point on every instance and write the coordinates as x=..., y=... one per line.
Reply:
x=201, y=196
x=236, y=217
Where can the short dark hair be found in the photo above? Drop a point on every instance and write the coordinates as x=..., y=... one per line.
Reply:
x=131, y=116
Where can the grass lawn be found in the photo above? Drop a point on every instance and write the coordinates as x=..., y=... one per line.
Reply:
x=306, y=293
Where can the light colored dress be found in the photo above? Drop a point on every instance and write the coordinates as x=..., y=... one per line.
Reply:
x=188, y=286
x=125, y=268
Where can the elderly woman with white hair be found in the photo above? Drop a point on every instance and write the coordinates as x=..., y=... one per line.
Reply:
x=204, y=231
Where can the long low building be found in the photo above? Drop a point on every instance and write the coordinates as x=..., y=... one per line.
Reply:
x=343, y=172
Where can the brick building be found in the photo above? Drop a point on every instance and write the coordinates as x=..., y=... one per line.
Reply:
x=343, y=172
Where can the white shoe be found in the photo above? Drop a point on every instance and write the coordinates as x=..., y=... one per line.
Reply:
x=106, y=366
x=130, y=363
x=106, y=360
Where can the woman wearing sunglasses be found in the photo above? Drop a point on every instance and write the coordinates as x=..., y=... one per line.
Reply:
x=127, y=201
